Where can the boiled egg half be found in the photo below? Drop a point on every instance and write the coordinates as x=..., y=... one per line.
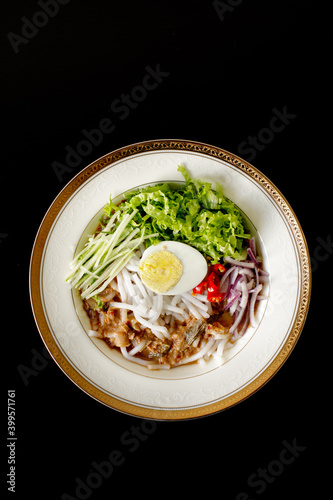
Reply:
x=172, y=268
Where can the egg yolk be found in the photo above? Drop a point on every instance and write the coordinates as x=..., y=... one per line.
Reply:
x=161, y=271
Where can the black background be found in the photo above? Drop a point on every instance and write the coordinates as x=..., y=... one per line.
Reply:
x=226, y=73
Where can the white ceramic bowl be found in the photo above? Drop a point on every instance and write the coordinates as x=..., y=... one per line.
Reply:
x=187, y=391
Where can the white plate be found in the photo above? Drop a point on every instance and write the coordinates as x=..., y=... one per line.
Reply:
x=189, y=391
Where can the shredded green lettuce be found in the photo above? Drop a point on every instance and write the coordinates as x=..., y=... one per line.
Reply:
x=193, y=213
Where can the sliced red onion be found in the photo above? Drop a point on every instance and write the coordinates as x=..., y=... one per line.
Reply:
x=252, y=257
x=250, y=284
x=256, y=289
x=234, y=286
x=225, y=276
x=246, y=272
x=257, y=275
x=262, y=297
x=245, y=295
x=232, y=300
x=234, y=275
x=237, y=320
x=253, y=299
x=240, y=263
x=225, y=286
x=252, y=245
x=234, y=308
x=236, y=335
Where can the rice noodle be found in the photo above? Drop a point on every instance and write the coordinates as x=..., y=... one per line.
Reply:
x=133, y=358
x=192, y=309
x=219, y=351
x=155, y=328
x=122, y=287
x=241, y=283
x=128, y=282
x=200, y=353
x=137, y=348
x=200, y=305
x=93, y=333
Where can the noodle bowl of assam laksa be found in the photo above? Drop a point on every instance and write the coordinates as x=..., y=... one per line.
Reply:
x=167, y=304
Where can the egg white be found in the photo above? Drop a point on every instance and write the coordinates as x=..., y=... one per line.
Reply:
x=194, y=264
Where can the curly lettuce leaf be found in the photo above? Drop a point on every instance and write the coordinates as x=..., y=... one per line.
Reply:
x=194, y=214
